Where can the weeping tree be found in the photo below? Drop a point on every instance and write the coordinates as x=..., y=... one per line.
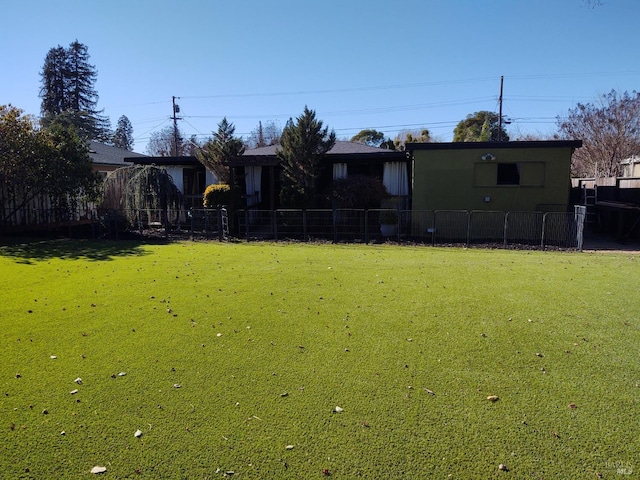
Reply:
x=141, y=188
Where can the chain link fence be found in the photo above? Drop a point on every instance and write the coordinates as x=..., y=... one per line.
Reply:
x=442, y=227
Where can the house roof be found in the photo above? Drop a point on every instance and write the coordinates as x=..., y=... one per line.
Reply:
x=631, y=160
x=494, y=145
x=145, y=160
x=102, y=154
x=341, y=151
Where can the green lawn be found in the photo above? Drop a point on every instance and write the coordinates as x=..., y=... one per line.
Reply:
x=265, y=341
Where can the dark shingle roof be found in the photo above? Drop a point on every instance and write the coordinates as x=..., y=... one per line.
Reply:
x=341, y=152
x=339, y=148
x=102, y=154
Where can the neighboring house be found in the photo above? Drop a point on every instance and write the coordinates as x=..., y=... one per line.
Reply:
x=188, y=174
x=106, y=158
x=631, y=166
x=530, y=176
x=258, y=171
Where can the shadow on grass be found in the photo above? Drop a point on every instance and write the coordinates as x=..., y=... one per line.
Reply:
x=26, y=250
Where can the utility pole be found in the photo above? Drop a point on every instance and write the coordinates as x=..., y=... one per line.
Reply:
x=176, y=110
x=500, y=114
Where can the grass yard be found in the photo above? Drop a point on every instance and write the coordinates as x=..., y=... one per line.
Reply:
x=234, y=357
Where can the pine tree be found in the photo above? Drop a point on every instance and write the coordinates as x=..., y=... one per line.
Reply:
x=123, y=136
x=304, y=144
x=223, y=146
x=68, y=94
x=81, y=77
x=53, y=86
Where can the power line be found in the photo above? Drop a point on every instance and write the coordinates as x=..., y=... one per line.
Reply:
x=366, y=111
x=412, y=85
x=341, y=90
x=140, y=137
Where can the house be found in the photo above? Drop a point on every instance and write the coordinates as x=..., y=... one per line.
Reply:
x=188, y=174
x=529, y=176
x=106, y=158
x=258, y=173
x=631, y=166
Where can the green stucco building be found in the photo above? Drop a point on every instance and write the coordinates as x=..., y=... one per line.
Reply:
x=530, y=176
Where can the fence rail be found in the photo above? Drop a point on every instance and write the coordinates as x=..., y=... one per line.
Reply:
x=441, y=227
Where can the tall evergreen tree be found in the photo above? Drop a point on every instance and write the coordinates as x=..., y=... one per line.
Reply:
x=69, y=97
x=304, y=144
x=123, y=136
x=81, y=77
x=221, y=148
x=53, y=89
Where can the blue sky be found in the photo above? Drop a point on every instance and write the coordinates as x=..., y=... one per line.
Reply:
x=358, y=63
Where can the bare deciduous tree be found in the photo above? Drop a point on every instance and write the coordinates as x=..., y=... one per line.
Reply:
x=264, y=136
x=163, y=143
x=609, y=130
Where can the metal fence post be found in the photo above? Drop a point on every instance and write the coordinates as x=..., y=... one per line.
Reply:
x=506, y=229
x=192, y=221
x=544, y=226
x=580, y=212
x=246, y=223
x=433, y=228
x=304, y=226
x=366, y=226
x=274, y=222
x=335, y=226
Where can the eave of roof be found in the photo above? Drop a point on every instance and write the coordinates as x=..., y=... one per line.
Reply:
x=187, y=160
x=342, y=152
x=494, y=145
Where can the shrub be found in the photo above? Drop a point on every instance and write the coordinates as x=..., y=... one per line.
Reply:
x=389, y=212
x=358, y=191
x=216, y=194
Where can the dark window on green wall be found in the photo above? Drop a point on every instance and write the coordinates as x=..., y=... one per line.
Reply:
x=508, y=174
